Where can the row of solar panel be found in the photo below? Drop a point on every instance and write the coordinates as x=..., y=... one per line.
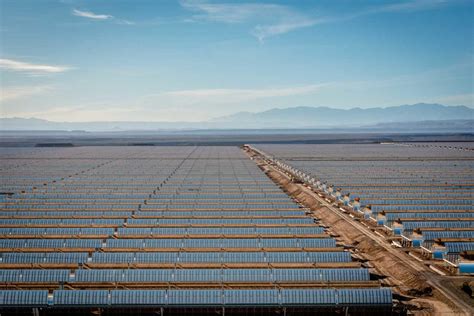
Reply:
x=432, y=189
x=411, y=225
x=156, y=207
x=422, y=194
x=396, y=193
x=68, y=214
x=69, y=186
x=180, y=180
x=56, y=231
x=180, y=199
x=242, y=182
x=222, y=231
x=137, y=190
x=221, y=257
x=160, y=231
x=392, y=201
x=56, y=195
x=160, y=221
x=229, y=221
x=185, y=200
x=432, y=235
x=394, y=216
x=156, y=214
x=173, y=243
x=224, y=243
x=279, y=195
x=129, y=192
x=51, y=243
x=212, y=183
x=70, y=206
x=33, y=201
x=394, y=171
x=78, y=190
x=197, y=175
x=173, y=184
x=29, y=190
x=457, y=247
x=219, y=191
x=186, y=275
x=26, y=203
x=222, y=171
x=240, y=206
x=388, y=208
x=425, y=176
x=64, y=221
x=273, y=297
x=401, y=181
x=188, y=257
x=243, y=213
x=44, y=257
x=415, y=195
x=258, y=178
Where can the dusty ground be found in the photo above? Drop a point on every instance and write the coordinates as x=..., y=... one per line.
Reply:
x=384, y=262
x=411, y=284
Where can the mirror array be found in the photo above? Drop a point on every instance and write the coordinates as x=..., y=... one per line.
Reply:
x=422, y=192
x=165, y=227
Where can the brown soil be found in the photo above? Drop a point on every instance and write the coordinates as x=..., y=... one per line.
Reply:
x=405, y=281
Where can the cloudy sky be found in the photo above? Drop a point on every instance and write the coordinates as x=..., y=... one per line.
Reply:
x=77, y=60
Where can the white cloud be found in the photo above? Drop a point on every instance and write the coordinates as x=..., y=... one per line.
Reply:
x=235, y=95
x=33, y=69
x=275, y=19
x=407, y=6
x=10, y=93
x=263, y=31
x=91, y=15
x=180, y=105
x=230, y=12
x=270, y=19
x=125, y=22
x=410, y=6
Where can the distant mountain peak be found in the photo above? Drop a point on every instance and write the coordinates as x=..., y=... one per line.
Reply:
x=295, y=117
x=322, y=116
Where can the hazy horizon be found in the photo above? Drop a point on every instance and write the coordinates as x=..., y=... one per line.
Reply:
x=252, y=112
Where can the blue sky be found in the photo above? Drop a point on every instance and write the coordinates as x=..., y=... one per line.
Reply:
x=194, y=60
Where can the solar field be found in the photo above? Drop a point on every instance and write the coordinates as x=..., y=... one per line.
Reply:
x=170, y=230
x=422, y=192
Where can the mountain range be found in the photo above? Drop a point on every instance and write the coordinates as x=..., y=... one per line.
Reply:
x=416, y=116
x=355, y=117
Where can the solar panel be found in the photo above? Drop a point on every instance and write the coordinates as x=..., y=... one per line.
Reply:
x=165, y=227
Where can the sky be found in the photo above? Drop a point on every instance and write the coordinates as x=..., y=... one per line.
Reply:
x=146, y=60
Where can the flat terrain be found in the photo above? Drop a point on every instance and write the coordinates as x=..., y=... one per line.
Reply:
x=424, y=291
x=96, y=225
x=217, y=137
x=178, y=228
